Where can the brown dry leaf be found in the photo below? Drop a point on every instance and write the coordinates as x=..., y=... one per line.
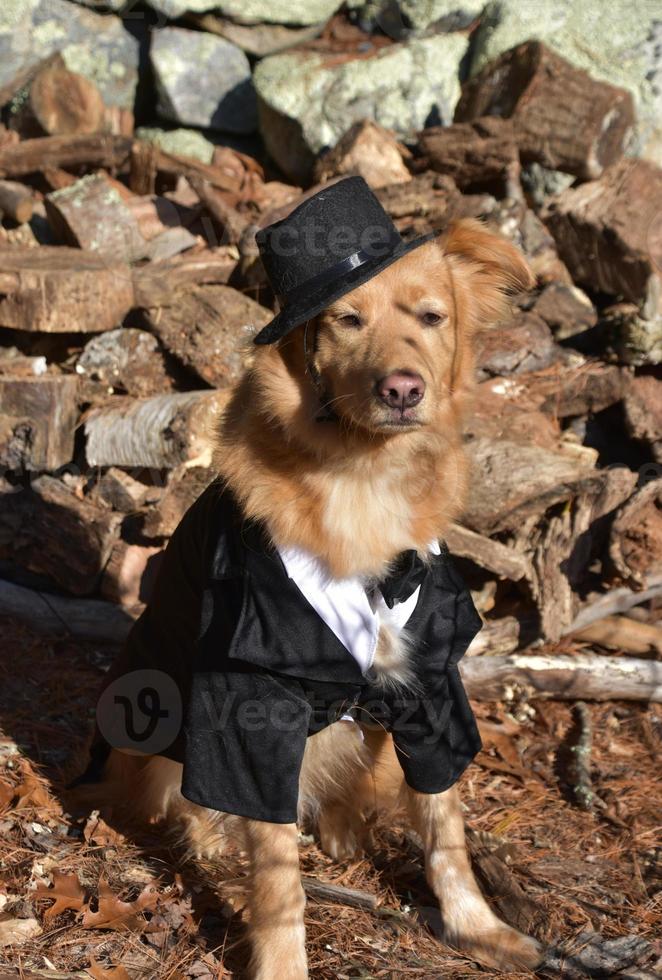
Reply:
x=32, y=792
x=7, y=794
x=66, y=893
x=100, y=973
x=16, y=931
x=113, y=913
x=97, y=831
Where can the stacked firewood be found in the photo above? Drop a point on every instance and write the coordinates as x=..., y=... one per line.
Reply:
x=129, y=283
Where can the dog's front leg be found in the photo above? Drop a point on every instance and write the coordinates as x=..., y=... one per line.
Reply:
x=276, y=902
x=469, y=923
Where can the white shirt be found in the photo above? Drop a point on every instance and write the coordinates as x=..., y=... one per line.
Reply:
x=345, y=606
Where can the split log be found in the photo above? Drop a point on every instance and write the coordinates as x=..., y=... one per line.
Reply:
x=185, y=484
x=497, y=637
x=16, y=201
x=129, y=575
x=485, y=552
x=564, y=391
x=477, y=154
x=524, y=343
x=563, y=118
x=635, y=543
x=209, y=329
x=428, y=201
x=173, y=165
x=583, y=677
x=30, y=156
x=630, y=338
x=500, y=411
x=513, y=483
x=45, y=612
x=618, y=600
x=127, y=361
x=121, y=491
x=603, y=233
x=156, y=214
x=229, y=221
x=92, y=215
x=62, y=290
x=323, y=891
x=170, y=243
x=38, y=417
x=59, y=102
x=623, y=634
x=563, y=543
x=643, y=413
x=515, y=221
x=369, y=151
x=143, y=167
x=516, y=488
x=155, y=432
x=566, y=309
x=48, y=529
x=158, y=286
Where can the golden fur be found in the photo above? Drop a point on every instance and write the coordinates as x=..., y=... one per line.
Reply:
x=356, y=491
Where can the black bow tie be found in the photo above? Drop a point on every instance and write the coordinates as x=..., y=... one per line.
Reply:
x=408, y=572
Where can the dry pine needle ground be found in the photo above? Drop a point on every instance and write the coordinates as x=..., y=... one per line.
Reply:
x=78, y=898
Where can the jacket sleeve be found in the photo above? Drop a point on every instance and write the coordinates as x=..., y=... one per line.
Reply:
x=245, y=736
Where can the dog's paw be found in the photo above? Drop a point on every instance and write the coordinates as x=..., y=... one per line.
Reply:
x=342, y=833
x=502, y=948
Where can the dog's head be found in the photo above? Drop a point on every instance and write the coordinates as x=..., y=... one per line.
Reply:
x=392, y=354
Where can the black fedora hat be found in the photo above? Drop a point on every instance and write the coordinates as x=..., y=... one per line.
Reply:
x=330, y=244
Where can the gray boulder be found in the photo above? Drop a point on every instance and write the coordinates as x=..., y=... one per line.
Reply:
x=402, y=19
x=618, y=42
x=95, y=45
x=301, y=12
x=306, y=105
x=202, y=80
x=183, y=142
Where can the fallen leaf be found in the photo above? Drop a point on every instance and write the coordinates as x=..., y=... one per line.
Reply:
x=7, y=794
x=15, y=931
x=32, y=792
x=113, y=913
x=97, y=831
x=100, y=973
x=66, y=893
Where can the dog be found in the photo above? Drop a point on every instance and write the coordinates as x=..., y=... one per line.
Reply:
x=343, y=440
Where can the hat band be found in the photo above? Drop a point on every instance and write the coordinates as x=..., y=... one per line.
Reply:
x=353, y=261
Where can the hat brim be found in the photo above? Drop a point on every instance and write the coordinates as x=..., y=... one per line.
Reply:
x=294, y=314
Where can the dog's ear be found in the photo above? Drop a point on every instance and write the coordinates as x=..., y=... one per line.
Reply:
x=486, y=268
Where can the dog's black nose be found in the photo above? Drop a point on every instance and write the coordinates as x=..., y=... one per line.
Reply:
x=402, y=389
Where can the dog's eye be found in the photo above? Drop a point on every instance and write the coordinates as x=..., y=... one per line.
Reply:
x=349, y=320
x=431, y=319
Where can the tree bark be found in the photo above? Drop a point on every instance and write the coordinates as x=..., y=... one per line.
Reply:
x=207, y=329
x=563, y=118
x=59, y=102
x=38, y=417
x=30, y=156
x=159, y=432
x=605, y=233
x=49, y=530
x=92, y=215
x=475, y=154
x=45, y=612
x=62, y=290
x=16, y=201
x=584, y=677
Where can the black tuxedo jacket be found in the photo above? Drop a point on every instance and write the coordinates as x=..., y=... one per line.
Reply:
x=252, y=670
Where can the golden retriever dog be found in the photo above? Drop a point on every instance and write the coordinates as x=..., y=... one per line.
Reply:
x=385, y=473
